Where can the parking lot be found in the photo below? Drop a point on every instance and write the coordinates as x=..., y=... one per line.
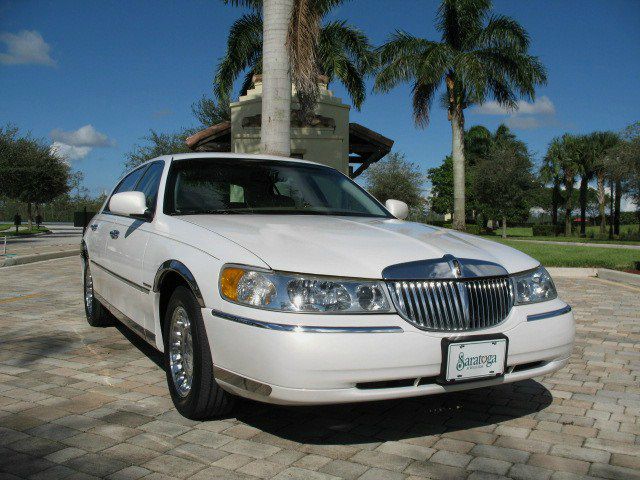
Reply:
x=78, y=402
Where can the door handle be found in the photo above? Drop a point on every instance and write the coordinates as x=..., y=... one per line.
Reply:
x=94, y=227
x=114, y=233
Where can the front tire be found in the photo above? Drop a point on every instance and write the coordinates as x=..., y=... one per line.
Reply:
x=188, y=364
x=97, y=315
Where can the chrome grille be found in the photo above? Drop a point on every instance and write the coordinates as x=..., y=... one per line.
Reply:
x=453, y=305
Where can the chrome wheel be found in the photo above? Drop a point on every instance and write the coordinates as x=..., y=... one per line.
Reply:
x=181, y=351
x=88, y=291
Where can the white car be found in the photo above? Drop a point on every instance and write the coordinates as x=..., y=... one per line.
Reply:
x=284, y=281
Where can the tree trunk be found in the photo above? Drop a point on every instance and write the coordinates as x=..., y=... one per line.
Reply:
x=568, y=188
x=616, y=214
x=30, y=215
x=584, y=185
x=601, y=201
x=504, y=227
x=612, y=188
x=276, y=79
x=555, y=196
x=457, y=155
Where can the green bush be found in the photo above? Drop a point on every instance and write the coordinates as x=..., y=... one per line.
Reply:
x=546, y=230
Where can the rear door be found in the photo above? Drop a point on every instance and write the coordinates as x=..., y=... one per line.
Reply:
x=124, y=254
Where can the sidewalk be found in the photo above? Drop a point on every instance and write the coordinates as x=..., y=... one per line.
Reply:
x=63, y=241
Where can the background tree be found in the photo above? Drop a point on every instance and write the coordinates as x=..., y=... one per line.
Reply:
x=479, y=56
x=563, y=158
x=396, y=178
x=210, y=112
x=503, y=190
x=158, y=144
x=600, y=145
x=30, y=172
x=622, y=169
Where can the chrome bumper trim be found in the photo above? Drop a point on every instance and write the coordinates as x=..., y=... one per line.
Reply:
x=241, y=382
x=545, y=315
x=305, y=328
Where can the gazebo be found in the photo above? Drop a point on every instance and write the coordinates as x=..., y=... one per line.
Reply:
x=328, y=138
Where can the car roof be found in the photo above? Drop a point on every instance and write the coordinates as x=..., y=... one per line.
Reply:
x=237, y=156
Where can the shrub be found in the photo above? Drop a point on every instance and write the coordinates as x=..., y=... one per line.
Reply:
x=546, y=230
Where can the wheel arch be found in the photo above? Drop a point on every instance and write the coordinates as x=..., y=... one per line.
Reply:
x=171, y=274
x=180, y=269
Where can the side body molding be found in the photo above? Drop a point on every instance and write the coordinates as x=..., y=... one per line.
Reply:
x=181, y=269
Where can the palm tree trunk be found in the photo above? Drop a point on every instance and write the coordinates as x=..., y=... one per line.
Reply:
x=601, y=201
x=584, y=185
x=276, y=78
x=616, y=214
x=555, y=197
x=30, y=215
x=568, y=188
x=457, y=155
x=612, y=188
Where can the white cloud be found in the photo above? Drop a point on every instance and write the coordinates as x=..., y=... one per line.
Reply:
x=69, y=152
x=77, y=144
x=25, y=47
x=86, y=136
x=527, y=115
x=541, y=106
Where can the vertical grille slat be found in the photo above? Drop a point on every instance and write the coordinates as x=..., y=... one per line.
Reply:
x=453, y=305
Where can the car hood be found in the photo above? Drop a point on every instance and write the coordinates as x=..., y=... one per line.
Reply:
x=351, y=246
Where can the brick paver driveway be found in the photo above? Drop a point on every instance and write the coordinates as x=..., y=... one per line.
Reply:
x=77, y=402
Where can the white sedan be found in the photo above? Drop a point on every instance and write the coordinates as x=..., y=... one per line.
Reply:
x=284, y=281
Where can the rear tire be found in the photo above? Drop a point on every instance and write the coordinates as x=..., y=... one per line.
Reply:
x=194, y=391
x=97, y=315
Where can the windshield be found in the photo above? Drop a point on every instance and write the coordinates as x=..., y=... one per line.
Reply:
x=235, y=186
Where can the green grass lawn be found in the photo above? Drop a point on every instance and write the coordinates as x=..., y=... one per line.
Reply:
x=526, y=232
x=571, y=256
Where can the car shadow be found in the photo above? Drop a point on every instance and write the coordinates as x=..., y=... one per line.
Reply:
x=392, y=420
x=386, y=420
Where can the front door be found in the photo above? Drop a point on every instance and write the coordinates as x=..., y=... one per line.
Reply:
x=127, y=241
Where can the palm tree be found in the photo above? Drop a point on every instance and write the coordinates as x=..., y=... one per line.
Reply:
x=479, y=56
x=600, y=147
x=563, y=158
x=334, y=49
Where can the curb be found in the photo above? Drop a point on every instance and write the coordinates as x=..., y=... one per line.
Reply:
x=40, y=257
x=568, y=272
x=620, y=277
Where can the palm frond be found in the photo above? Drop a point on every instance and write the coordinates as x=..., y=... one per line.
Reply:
x=501, y=31
x=338, y=36
x=244, y=49
x=459, y=20
x=400, y=58
x=422, y=96
x=338, y=65
x=253, y=4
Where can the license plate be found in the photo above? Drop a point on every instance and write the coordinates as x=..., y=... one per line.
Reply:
x=475, y=359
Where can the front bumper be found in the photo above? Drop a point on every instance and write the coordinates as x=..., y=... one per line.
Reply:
x=294, y=365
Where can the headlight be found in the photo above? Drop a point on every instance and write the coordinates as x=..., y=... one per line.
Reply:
x=534, y=287
x=301, y=293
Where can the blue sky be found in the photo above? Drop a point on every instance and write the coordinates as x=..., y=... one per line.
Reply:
x=119, y=69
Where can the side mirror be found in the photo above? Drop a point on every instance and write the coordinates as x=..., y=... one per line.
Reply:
x=398, y=209
x=129, y=204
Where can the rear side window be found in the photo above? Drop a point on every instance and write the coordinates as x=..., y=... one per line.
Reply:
x=150, y=183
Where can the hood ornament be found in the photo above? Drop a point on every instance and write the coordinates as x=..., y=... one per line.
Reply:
x=454, y=263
